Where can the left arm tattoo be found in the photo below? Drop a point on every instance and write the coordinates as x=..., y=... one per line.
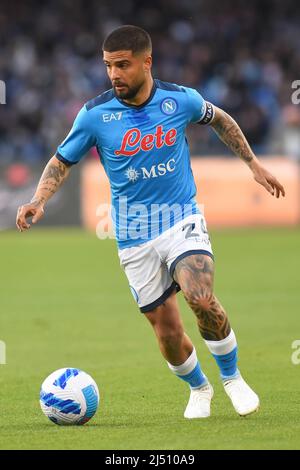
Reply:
x=230, y=133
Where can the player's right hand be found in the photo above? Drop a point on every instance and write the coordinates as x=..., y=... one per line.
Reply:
x=34, y=210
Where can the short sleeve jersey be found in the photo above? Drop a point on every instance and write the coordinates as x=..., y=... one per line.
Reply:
x=145, y=154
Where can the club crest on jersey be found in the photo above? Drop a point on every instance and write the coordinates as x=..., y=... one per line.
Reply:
x=169, y=106
x=133, y=141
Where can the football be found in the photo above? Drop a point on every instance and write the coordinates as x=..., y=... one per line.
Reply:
x=69, y=396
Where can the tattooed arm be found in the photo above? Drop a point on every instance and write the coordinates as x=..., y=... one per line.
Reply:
x=230, y=133
x=52, y=178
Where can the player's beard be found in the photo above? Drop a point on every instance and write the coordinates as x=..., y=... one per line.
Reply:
x=128, y=93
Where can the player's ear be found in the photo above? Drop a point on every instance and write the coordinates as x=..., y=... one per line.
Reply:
x=147, y=62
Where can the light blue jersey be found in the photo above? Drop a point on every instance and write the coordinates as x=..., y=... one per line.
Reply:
x=145, y=155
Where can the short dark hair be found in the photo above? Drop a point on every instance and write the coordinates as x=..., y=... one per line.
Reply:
x=127, y=38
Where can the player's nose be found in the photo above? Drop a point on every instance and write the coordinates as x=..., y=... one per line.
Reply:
x=114, y=74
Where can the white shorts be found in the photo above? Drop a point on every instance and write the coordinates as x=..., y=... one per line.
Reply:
x=149, y=267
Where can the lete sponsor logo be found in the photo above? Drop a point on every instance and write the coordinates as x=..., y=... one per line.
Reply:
x=133, y=141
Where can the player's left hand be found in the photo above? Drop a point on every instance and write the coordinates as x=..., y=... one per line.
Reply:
x=266, y=179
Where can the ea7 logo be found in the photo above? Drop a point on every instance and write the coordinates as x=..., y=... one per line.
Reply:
x=112, y=117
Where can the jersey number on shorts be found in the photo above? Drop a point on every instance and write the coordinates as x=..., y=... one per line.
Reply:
x=191, y=227
x=189, y=230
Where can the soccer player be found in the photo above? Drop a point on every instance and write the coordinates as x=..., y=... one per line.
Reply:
x=138, y=128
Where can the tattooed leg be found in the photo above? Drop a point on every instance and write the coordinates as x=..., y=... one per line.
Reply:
x=195, y=275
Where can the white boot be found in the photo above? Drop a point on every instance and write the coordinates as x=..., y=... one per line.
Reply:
x=244, y=399
x=199, y=402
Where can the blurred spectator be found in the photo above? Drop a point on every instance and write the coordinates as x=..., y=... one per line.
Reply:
x=241, y=55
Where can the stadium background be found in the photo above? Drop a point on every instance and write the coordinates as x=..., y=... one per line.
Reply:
x=244, y=57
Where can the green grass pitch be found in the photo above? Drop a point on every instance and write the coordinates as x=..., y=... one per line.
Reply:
x=65, y=302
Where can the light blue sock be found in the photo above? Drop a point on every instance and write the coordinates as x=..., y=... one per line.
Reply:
x=190, y=371
x=225, y=354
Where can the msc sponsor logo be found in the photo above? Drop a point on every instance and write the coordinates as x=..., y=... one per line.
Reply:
x=154, y=172
x=159, y=170
x=169, y=106
x=133, y=141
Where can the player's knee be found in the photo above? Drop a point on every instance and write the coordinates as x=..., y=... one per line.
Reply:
x=171, y=336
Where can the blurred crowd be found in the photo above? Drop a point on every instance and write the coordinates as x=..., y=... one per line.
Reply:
x=241, y=55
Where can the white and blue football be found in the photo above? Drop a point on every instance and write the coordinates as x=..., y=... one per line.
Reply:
x=69, y=396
